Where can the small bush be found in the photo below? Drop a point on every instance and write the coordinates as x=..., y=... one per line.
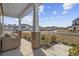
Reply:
x=53, y=38
x=65, y=43
x=26, y=35
x=48, y=39
x=42, y=37
x=72, y=44
x=74, y=51
x=7, y=35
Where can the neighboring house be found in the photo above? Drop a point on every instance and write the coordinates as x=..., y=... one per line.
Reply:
x=61, y=29
x=47, y=28
x=75, y=24
x=54, y=29
x=8, y=27
x=5, y=27
x=70, y=28
x=24, y=27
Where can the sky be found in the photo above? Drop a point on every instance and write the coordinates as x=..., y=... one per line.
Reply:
x=51, y=14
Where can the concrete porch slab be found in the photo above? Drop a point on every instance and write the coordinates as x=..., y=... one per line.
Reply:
x=26, y=50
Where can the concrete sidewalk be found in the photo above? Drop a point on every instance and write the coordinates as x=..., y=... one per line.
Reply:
x=26, y=50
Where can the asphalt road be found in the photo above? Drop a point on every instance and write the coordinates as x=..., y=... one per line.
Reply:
x=65, y=33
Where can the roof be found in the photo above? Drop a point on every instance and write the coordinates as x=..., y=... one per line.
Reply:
x=17, y=10
x=77, y=19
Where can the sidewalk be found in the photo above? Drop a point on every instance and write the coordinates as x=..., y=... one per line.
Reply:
x=26, y=50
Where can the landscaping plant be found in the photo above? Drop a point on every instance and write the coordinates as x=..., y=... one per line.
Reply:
x=74, y=51
x=26, y=35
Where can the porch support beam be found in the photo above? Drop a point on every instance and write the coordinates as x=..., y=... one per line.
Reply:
x=2, y=19
x=35, y=33
x=19, y=29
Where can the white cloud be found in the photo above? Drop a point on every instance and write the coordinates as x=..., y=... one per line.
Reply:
x=39, y=14
x=15, y=19
x=40, y=19
x=67, y=7
x=27, y=20
x=64, y=12
x=54, y=12
x=41, y=9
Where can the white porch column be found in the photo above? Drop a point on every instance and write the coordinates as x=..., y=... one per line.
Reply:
x=35, y=18
x=2, y=20
x=19, y=29
x=35, y=33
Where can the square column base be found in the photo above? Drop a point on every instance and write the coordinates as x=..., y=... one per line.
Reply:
x=35, y=40
x=20, y=34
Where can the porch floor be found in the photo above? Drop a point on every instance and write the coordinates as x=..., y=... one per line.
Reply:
x=26, y=50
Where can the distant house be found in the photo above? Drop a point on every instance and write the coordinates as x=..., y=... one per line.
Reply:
x=53, y=29
x=75, y=24
x=70, y=28
x=47, y=28
x=8, y=27
x=14, y=27
x=61, y=29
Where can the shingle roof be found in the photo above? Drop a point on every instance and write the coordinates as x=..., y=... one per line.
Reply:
x=77, y=19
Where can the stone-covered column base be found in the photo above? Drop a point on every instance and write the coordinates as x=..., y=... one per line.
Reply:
x=35, y=40
x=0, y=46
x=19, y=37
x=20, y=34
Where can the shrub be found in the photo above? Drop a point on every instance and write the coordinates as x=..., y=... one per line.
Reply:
x=26, y=35
x=48, y=39
x=42, y=36
x=72, y=44
x=65, y=43
x=74, y=51
x=7, y=35
x=53, y=38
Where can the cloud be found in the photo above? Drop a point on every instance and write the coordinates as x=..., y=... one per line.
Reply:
x=54, y=12
x=64, y=12
x=41, y=9
x=67, y=7
x=27, y=20
x=10, y=20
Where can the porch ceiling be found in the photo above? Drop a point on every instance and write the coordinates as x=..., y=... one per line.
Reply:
x=16, y=10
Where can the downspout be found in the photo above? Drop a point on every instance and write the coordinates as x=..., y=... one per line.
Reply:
x=2, y=22
x=2, y=14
